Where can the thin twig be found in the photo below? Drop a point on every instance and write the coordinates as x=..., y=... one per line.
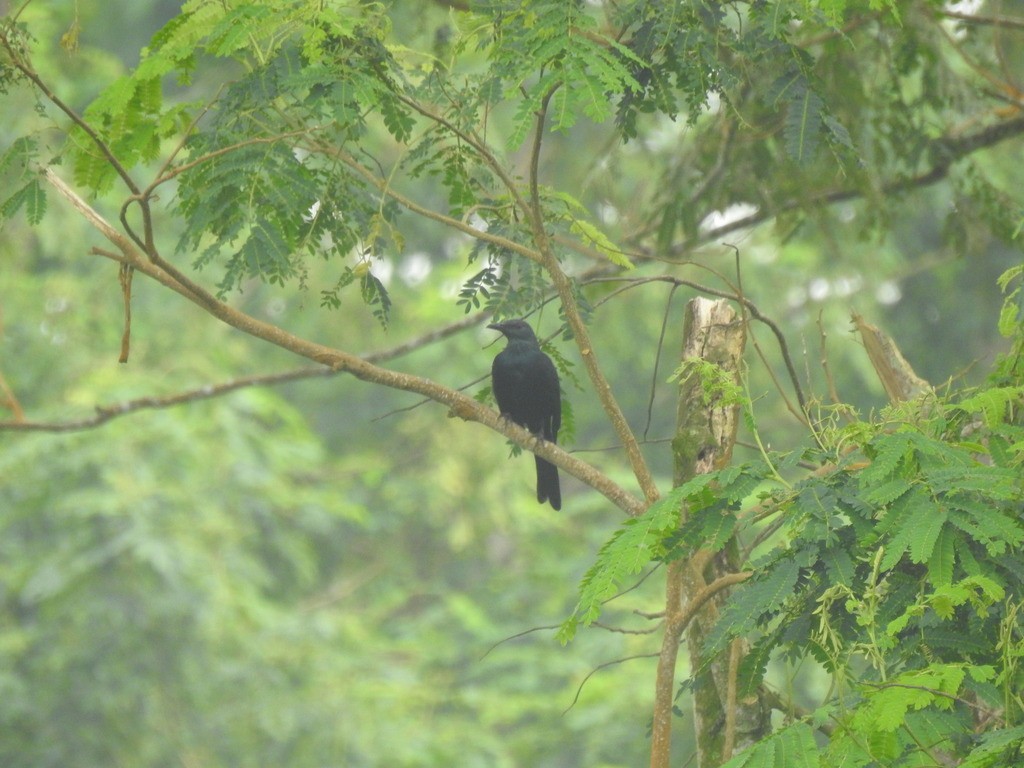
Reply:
x=26, y=69
x=925, y=688
x=598, y=668
x=970, y=18
x=11, y=401
x=427, y=213
x=830, y=382
x=518, y=635
x=624, y=631
x=948, y=150
x=755, y=313
x=125, y=273
x=729, y=738
x=657, y=361
x=105, y=413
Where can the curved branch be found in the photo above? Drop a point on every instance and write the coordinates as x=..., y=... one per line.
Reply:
x=598, y=668
x=755, y=313
x=461, y=406
x=474, y=141
x=970, y=18
x=168, y=174
x=676, y=622
x=26, y=69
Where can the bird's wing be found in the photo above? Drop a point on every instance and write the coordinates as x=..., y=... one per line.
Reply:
x=552, y=396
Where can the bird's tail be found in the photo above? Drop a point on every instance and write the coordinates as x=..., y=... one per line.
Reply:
x=548, y=488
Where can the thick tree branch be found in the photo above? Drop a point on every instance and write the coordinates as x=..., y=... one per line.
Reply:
x=459, y=405
x=676, y=623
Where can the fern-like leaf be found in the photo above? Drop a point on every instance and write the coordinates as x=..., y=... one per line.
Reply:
x=376, y=295
x=993, y=746
x=803, y=124
x=940, y=563
x=913, y=516
x=32, y=197
x=790, y=747
x=631, y=547
x=762, y=595
x=992, y=403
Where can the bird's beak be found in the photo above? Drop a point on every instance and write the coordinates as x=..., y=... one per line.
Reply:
x=497, y=326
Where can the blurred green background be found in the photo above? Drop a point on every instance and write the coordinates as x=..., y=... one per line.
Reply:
x=327, y=573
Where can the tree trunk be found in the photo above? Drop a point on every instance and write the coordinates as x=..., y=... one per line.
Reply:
x=705, y=434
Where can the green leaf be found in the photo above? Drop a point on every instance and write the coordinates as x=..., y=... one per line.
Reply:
x=375, y=294
x=20, y=155
x=754, y=664
x=595, y=237
x=635, y=544
x=790, y=747
x=993, y=482
x=840, y=566
x=940, y=564
x=887, y=705
x=911, y=520
x=987, y=525
x=30, y=195
x=239, y=28
x=887, y=452
x=991, y=745
x=803, y=124
x=763, y=594
x=982, y=592
x=922, y=543
x=396, y=116
x=993, y=403
x=887, y=492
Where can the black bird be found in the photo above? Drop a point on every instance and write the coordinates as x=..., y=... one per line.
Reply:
x=525, y=384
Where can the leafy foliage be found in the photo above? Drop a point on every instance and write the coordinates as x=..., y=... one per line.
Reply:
x=660, y=535
x=1011, y=325
x=630, y=549
x=905, y=545
x=791, y=746
x=579, y=66
x=15, y=168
